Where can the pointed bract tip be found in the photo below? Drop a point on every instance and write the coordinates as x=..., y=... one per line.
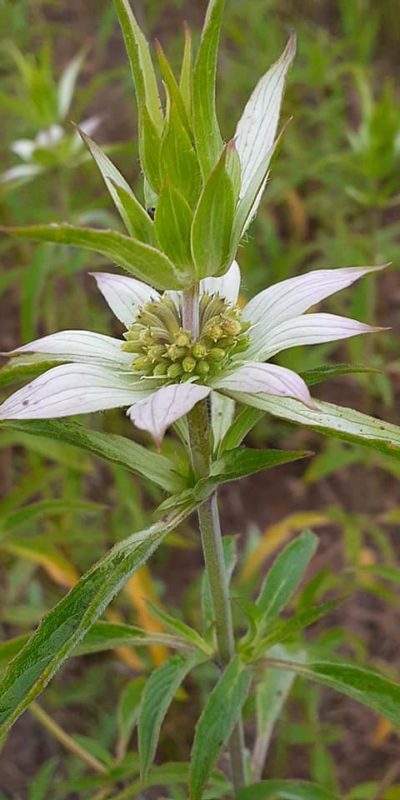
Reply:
x=290, y=49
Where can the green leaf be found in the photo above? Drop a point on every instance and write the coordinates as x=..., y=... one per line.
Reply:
x=136, y=219
x=330, y=420
x=101, y=637
x=185, y=80
x=36, y=511
x=327, y=371
x=283, y=630
x=172, y=224
x=110, y=635
x=216, y=723
x=174, y=92
x=285, y=575
x=66, y=624
x=178, y=160
x=141, y=64
x=206, y=129
x=212, y=222
x=150, y=149
x=128, y=710
x=271, y=695
x=181, y=628
x=118, y=449
x=138, y=258
x=158, y=694
x=15, y=371
x=243, y=461
x=244, y=422
x=364, y=685
x=285, y=790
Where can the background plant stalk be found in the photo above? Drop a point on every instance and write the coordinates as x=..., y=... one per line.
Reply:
x=211, y=538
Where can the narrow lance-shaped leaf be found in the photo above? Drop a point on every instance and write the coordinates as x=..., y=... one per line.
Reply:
x=185, y=80
x=117, y=449
x=178, y=161
x=141, y=64
x=136, y=219
x=101, y=637
x=63, y=628
x=212, y=222
x=174, y=92
x=137, y=258
x=285, y=575
x=239, y=463
x=243, y=461
x=128, y=711
x=216, y=723
x=158, y=694
x=364, y=685
x=249, y=416
x=271, y=694
x=331, y=420
x=206, y=129
x=172, y=224
x=150, y=150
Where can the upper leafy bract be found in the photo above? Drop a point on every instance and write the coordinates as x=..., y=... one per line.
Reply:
x=200, y=194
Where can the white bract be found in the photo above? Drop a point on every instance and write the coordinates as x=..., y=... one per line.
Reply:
x=101, y=374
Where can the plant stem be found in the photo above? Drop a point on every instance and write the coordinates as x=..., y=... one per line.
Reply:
x=210, y=529
x=65, y=739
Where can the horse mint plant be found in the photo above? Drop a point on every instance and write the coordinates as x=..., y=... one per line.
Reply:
x=187, y=351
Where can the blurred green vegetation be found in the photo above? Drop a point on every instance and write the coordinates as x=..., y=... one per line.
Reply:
x=333, y=200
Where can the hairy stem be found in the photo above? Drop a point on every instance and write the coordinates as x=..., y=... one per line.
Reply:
x=210, y=529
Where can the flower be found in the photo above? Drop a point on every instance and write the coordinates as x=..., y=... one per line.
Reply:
x=160, y=371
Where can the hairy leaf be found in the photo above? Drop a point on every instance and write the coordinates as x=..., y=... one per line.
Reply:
x=118, y=449
x=216, y=723
x=364, y=685
x=285, y=575
x=331, y=420
x=65, y=626
x=137, y=258
x=140, y=61
x=158, y=694
x=205, y=123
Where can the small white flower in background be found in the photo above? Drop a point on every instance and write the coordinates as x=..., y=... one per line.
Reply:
x=160, y=372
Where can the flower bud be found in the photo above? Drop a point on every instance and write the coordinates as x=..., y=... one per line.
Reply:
x=188, y=364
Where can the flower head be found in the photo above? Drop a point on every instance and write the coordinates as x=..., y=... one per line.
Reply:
x=160, y=371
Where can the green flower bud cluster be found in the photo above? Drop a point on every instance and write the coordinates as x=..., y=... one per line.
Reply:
x=164, y=349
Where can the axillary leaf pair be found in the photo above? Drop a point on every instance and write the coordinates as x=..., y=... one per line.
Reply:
x=199, y=193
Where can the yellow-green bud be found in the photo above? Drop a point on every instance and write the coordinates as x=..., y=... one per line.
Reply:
x=217, y=354
x=202, y=368
x=199, y=350
x=182, y=339
x=231, y=326
x=160, y=370
x=175, y=353
x=188, y=364
x=145, y=336
x=174, y=371
x=155, y=352
x=141, y=363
